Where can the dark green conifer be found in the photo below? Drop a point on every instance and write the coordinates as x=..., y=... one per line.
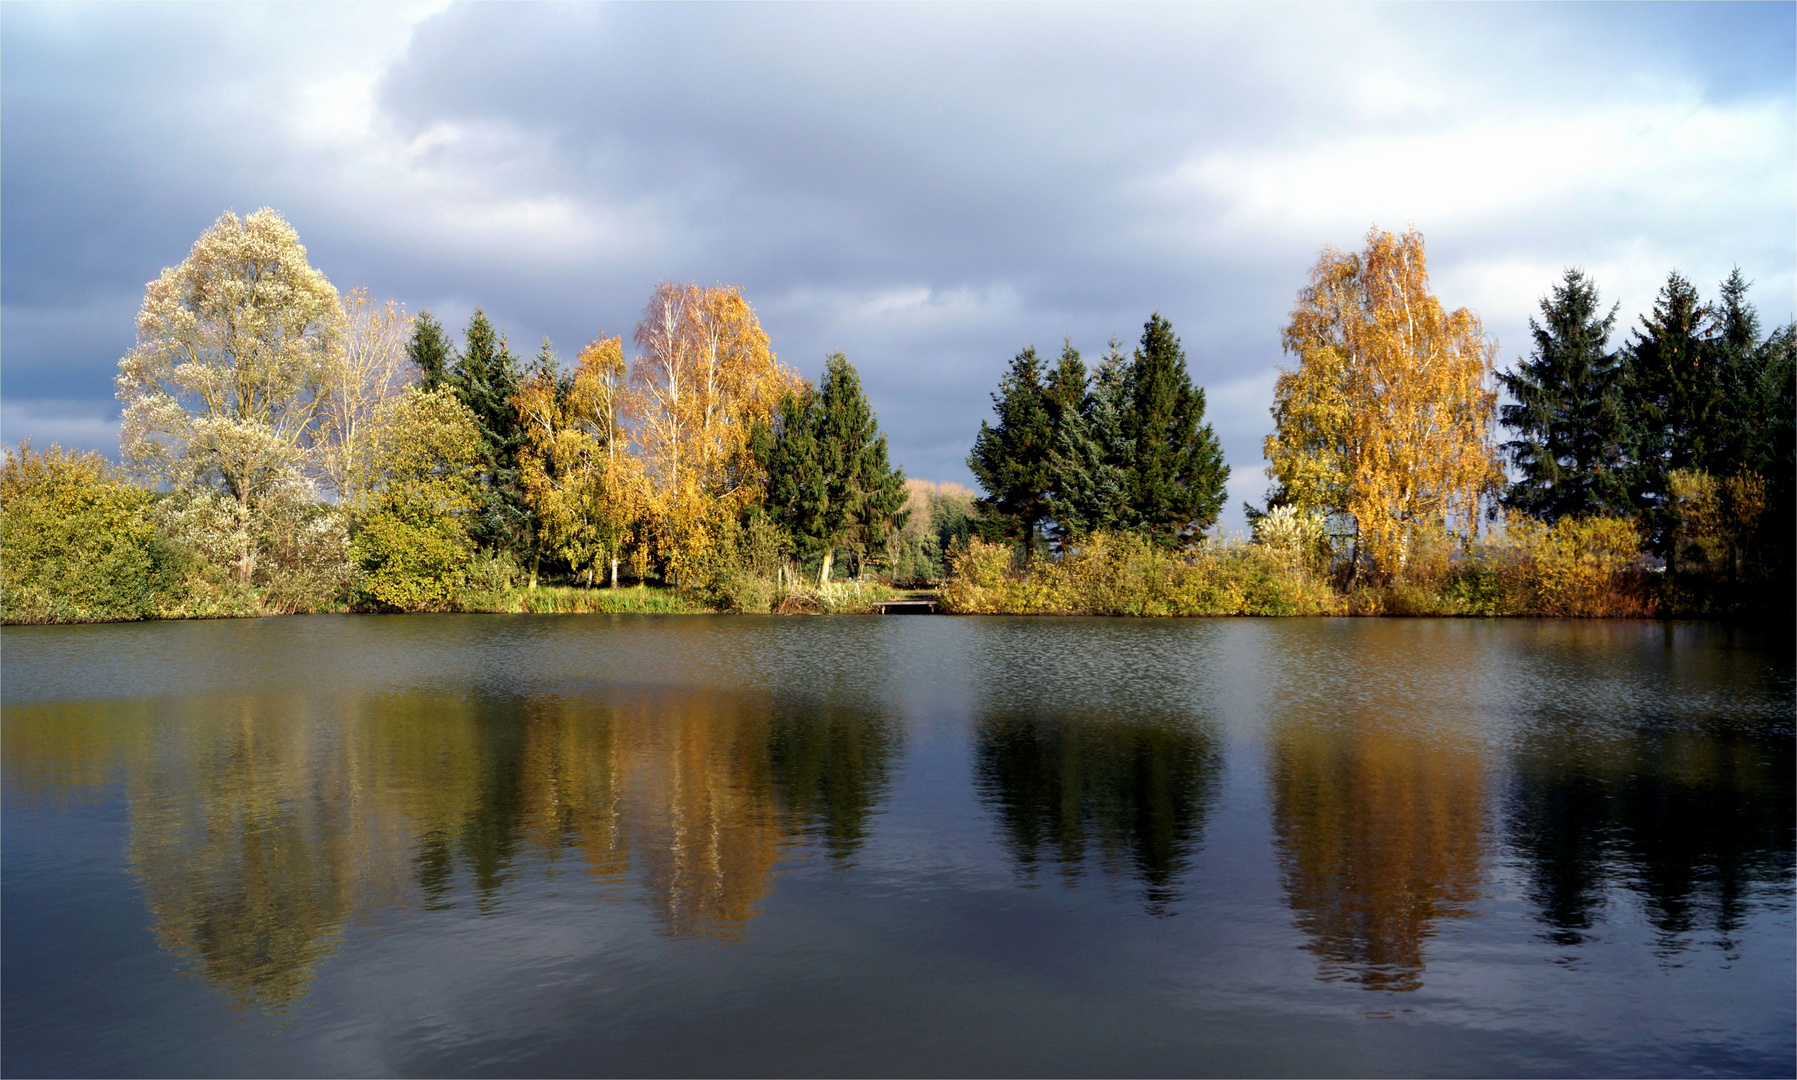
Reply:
x=1177, y=477
x=430, y=351
x=1092, y=456
x=830, y=482
x=485, y=379
x=1010, y=461
x=1675, y=389
x=1571, y=424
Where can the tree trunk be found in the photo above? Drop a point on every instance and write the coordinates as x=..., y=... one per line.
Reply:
x=823, y=572
x=614, y=573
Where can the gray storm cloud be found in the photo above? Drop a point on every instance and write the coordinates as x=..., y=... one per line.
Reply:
x=926, y=188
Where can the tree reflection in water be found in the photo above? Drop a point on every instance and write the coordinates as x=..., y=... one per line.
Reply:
x=1134, y=791
x=1693, y=822
x=1379, y=833
x=260, y=827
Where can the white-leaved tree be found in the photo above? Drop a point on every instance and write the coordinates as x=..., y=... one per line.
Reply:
x=236, y=349
x=369, y=369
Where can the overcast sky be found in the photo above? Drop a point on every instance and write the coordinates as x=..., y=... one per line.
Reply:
x=926, y=188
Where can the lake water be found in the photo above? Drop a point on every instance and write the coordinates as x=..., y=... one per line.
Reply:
x=900, y=846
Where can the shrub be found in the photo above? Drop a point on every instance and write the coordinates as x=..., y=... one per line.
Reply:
x=409, y=562
x=1578, y=567
x=1124, y=574
x=77, y=543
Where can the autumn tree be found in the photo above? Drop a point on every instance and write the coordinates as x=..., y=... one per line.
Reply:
x=370, y=367
x=233, y=360
x=1386, y=420
x=581, y=483
x=706, y=375
x=829, y=481
x=1570, y=419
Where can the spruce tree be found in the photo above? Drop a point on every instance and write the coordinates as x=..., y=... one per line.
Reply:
x=1092, y=456
x=1011, y=460
x=830, y=480
x=786, y=448
x=1676, y=391
x=1571, y=424
x=485, y=379
x=1747, y=417
x=1177, y=476
x=430, y=351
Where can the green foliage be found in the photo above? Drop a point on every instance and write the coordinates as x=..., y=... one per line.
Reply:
x=1011, y=461
x=1093, y=457
x=1570, y=418
x=422, y=484
x=410, y=562
x=830, y=483
x=77, y=543
x=1177, y=476
x=939, y=518
x=1122, y=448
x=430, y=351
x=576, y=600
x=485, y=378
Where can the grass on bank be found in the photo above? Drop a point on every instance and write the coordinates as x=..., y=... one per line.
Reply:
x=1575, y=568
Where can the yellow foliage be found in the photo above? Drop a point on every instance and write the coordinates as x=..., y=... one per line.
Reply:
x=1387, y=417
x=705, y=377
x=1578, y=567
x=1124, y=574
x=585, y=488
x=1717, y=519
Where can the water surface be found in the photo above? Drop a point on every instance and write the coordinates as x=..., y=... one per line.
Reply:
x=505, y=845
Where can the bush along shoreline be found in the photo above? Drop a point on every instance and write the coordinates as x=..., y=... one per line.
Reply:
x=285, y=448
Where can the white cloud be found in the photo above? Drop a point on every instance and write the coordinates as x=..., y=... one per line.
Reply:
x=1494, y=164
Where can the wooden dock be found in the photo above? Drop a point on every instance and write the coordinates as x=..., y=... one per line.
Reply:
x=905, y=607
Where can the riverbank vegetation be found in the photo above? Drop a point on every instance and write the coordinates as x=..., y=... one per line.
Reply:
x=1651, y=478
x=288, y=449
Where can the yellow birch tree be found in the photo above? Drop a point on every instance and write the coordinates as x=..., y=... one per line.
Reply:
x=705, y=376
x=1387, y=418
x=584, y=486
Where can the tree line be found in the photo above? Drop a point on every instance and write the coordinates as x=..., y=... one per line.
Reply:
x=1672, y=453
x=285, y=448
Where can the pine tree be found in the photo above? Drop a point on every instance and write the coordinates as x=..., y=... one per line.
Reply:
x=431, y=351
x=1571, y=449
x=786, y=448
x=1092, y=456
x=1176, y=481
